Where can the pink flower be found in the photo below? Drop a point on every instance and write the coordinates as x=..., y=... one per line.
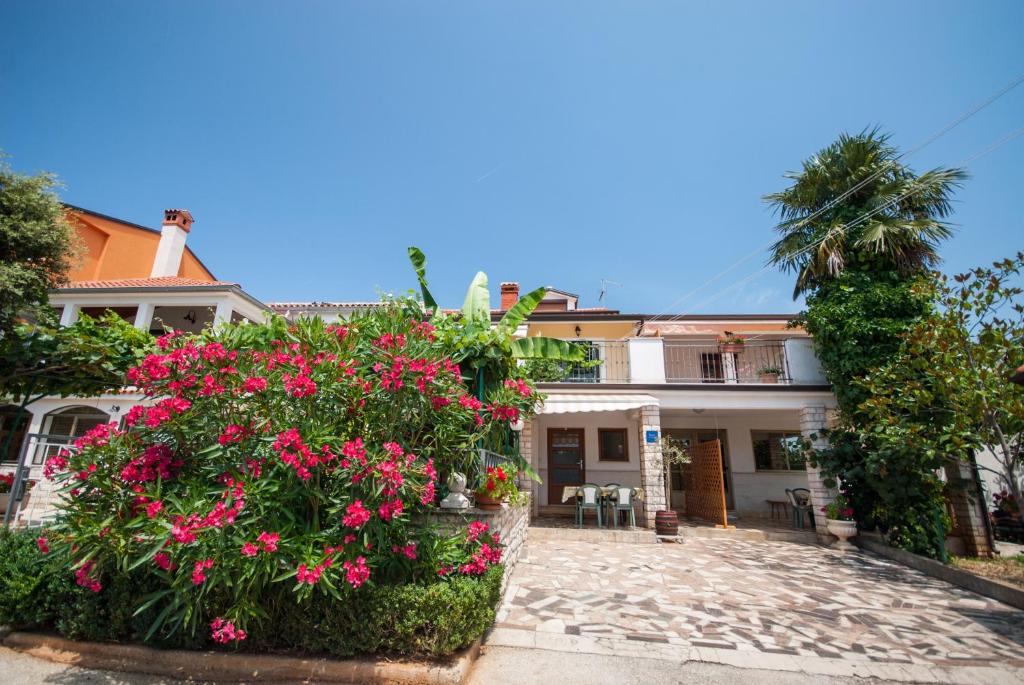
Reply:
x=232, y=434
x=299, y=386
x=250, y=550
x=198, y=571
x=409, y=551
x=356, y=574
x=476, y=529
x=43, y=544
x=225, y=631
x=54, y=465
x=84, y=579
x=390, y=509
x=153, y=508
x=254, y=384
x=356, y=515
x=163, y=560
x=309, y=575
x=269, y=541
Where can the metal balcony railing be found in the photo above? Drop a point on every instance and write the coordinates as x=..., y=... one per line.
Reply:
x=607, y=361
x=706, y=362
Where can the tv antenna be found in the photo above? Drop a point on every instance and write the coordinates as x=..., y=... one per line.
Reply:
x=605, y=282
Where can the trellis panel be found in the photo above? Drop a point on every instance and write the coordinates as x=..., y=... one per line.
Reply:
x=705, y=487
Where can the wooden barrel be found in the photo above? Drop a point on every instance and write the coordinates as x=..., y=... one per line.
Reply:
x=666, y=523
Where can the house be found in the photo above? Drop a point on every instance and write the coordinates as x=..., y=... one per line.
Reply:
x=669, y=375
x=149, y=277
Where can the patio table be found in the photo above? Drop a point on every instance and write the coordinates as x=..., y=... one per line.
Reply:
x=569, y=492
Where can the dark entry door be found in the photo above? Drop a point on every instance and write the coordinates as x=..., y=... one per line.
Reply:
x=565, y=461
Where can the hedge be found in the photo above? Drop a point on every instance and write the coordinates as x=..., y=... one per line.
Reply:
x=38, y=592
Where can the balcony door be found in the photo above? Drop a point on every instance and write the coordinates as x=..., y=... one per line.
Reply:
x=565, y=461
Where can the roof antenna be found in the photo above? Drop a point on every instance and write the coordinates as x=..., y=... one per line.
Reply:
x=605, y=282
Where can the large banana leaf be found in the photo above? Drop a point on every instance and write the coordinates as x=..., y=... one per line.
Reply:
x=419, y=262
x=477, y=306
x=520, y=310
x=540, y=347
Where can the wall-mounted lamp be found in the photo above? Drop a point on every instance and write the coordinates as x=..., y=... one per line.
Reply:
x=115, y=409
x=578, y=331
x=191, y=316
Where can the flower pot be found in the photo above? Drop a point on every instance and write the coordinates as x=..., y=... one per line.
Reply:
x=487, y=503
x=769, y=378
x=730, y=348
x=5, y=499
x=666, y=522
x=844, y=530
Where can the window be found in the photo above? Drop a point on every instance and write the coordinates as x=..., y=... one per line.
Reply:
x=612, y=445
x=778, y=451
x=64, y=424
x=590, y=372
x=711, y=370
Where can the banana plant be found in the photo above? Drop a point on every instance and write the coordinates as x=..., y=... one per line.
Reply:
x=476, y=313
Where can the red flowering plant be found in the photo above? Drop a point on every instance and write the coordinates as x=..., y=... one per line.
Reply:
x=839, y=509
x=498, y=484
x=281, y=453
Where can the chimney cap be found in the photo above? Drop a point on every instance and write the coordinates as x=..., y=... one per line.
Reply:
x=510, y=284
x=179, y=217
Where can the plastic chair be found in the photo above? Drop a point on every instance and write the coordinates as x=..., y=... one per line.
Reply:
x=800, y=500
x=622, y=501
x=588, y=496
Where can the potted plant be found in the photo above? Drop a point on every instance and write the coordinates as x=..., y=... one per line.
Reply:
x=769, y=374
x=496, y=488
x=6, y=484
x=731, y=344
x=666, y=522
x=840, y=522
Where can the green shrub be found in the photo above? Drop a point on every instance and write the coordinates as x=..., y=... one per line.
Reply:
x=38, y=591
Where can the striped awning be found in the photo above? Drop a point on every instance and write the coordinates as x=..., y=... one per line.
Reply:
x=573, y=403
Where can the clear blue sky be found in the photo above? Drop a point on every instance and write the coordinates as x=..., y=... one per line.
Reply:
x=546, y=142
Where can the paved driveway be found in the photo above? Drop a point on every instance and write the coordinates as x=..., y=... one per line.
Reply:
x=757, y=604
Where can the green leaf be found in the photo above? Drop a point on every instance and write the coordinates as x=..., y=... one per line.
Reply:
x=547, y=348
x=477, y=305
x=419, y=263
x=520, y=310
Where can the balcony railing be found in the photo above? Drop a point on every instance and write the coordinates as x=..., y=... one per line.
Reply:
x=607, y=361
x=705, y=362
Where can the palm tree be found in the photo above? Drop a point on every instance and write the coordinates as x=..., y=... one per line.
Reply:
x=855, y=204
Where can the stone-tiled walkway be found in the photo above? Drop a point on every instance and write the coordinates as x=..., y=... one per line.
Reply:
x=758, y=604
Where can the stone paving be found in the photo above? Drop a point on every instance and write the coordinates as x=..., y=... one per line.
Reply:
x=757, y=604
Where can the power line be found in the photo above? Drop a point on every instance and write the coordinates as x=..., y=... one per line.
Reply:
x=832, y=203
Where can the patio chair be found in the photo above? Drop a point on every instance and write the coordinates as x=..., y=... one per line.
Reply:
x=588, y=496
x=621, y=500
x=800, y=501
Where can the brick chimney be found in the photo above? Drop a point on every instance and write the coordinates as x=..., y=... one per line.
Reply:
x=177, y=224
x=509, y=295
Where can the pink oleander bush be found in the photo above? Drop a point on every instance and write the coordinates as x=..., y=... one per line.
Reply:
x=278, y=455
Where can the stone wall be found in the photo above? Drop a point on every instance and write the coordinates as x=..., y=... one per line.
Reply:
x=812, y=420
x=652, y=465
x=509, y=522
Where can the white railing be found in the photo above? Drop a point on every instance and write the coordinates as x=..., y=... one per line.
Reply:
x=613, y=366
x=33, y=499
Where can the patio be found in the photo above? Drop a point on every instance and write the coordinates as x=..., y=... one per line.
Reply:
x=763, y=602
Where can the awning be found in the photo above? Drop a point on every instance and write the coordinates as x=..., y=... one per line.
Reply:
x=570, y=404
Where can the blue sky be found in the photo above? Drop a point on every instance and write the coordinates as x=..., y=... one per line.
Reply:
x=554, y=143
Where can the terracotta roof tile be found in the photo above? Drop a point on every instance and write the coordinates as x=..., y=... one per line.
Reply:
x=159, y=282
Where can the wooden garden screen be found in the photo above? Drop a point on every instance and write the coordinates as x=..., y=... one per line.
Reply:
x=705, y=487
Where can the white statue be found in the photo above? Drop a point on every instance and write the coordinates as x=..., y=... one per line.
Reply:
x=456, y=498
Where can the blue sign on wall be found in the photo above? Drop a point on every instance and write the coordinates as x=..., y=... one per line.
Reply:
x=651, y=437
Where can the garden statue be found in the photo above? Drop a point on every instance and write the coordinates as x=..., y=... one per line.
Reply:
x=456, y=498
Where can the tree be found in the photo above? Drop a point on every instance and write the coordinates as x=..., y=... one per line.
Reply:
x=889, y=218
x=37, y=245
x=860, y=230
x=956, y=364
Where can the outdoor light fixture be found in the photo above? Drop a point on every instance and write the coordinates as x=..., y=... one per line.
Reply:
x=191, y=316
x=578, y=331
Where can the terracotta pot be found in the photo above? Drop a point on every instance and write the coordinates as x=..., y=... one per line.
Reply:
x=666, y=523
x=769, y=378
x=844, y=530
x=487, y=503
x=730, y=348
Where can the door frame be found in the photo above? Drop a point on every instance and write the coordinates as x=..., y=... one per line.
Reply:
x=555, y=490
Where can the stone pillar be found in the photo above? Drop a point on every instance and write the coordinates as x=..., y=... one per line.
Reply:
x=526, y=451
x=652, y=464
x=812, y=420
x=968, y=508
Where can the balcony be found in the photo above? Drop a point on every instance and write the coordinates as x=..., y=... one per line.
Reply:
x=704, y=362
x=650, y=361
